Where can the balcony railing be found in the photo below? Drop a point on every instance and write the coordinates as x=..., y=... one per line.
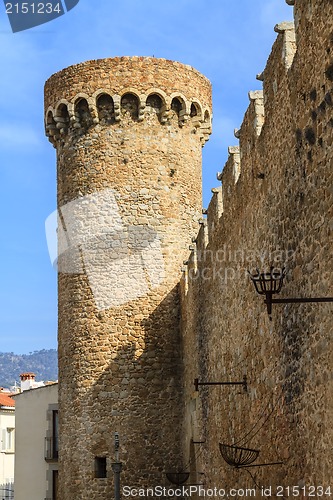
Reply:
x=51, y=448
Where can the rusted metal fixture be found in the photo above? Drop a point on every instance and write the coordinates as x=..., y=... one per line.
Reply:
x=239, y=457
x=177, y=478
x=270, y=283
x=243, y=383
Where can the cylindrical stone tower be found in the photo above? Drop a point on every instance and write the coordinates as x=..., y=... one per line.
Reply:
x=128, y=133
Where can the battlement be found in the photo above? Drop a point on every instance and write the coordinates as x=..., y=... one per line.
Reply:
x=214, y=211
x=265, y=102
x=108, y=91
x=104, y=109
x=274, y=209
x=251, y=163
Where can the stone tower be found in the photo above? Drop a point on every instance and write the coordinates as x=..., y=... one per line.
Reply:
x=128, y=133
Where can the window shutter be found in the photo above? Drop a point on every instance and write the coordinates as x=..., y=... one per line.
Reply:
x=49, y=414
x=3, y=440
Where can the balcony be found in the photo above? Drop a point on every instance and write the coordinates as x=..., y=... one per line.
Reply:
x=51, y=449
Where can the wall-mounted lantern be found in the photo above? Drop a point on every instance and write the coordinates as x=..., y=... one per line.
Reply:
x=270, y=283
x=239, y=457
x=177, y=478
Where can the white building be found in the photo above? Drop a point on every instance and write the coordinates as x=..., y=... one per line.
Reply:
x=7, y=448
x=36, y=440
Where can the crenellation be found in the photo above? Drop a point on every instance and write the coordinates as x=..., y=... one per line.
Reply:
x=309, y=14
x=202, y=237
x=287, y=29
x=277, y=213
x=257, y=97
x=192, y=261
x=260, y=76
x=223, y=198
x=234, y=153
x=237, y=132
x=276, y=82
x=228, y=183
x=253, y=121
x=85, y=111
x=214, y=212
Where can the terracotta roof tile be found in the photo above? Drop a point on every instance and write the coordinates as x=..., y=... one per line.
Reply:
x=6, y=400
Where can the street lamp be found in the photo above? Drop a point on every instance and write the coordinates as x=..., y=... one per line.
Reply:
x=116, y=467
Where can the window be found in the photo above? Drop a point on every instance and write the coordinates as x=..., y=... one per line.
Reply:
x=130, y=105
x=54, y=485
x=52, y=436
x=8, y=440
x=100, y=467
x=154, y=102
x=105, y=108
x=82, y=113
x=176, y=105
x=7, y=489
x=55, y=433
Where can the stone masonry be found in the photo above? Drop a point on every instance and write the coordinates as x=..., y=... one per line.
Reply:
x=274, y=208
x=128, y=133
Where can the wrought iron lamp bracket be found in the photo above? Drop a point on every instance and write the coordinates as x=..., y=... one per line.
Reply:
x=241, y=458
x=243, y=383
x=270, y=284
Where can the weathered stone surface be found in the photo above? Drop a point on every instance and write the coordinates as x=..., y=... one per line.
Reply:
x=278, y=212
x=131, y=368
x=119, y=356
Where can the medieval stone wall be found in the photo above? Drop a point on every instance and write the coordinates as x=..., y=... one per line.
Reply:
x=128, y=134
x=274, y=208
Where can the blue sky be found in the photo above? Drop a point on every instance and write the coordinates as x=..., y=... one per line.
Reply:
x=228, y=41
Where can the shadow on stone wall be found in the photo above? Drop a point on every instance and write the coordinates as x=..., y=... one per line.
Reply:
x=138, y=395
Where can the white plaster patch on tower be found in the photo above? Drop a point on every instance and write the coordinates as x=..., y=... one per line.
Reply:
x=122, y=262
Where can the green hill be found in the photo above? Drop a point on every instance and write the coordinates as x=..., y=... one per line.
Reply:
x=43, y=363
